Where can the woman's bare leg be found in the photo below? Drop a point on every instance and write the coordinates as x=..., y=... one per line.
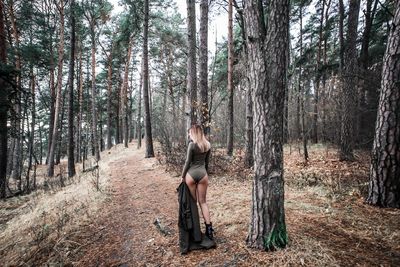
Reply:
x=192, y=185
x=202, y=192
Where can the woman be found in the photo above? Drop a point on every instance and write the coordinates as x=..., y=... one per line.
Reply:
x=195, y=172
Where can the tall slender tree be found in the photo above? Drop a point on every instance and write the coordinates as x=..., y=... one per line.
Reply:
x=384, y=184
x=203, y=72
x=147, y=115
x=267, y=41
x=71, y=160
x=230, y=78
x=3, y=106
x=50, y=169
x=191, y=63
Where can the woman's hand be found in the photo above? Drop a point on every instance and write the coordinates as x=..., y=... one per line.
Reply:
x=182, y=179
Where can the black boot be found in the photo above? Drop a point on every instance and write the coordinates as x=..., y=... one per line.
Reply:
x=209, y=231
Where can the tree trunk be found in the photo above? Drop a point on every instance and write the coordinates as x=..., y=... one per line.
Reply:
x=95, y=140
x=349, y=84
x=230, y=80
x=4, y=105
x=124, y=101
x=191, y=62
x=318, y=75
x=80, y=115
x=71, y=160
x=32, y=130
x=52, y=100
x=17, y=157
x=109, y=95
x=268, y=51
x=50, y=169
x=203, y=72
x=384, y=185
x=147, y=120
x=249, y=158
x=139, y=115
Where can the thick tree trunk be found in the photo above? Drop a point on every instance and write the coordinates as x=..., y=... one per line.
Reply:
x=384, y=185
x=50, y=169
x=203, y=58
x=249, y=158
x=349, y=84
x=191, y=63
x=71, y=160
x=4, y=105
x=268, y=51
x=147, y=120
x=229, y=148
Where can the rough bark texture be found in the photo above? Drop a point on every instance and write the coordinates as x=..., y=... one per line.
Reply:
x=203, y=72
x=230, y=80
x=71, y=160
x=3, y=108
x=147, y=120
x=349, y=84
x=267, y=52
x=384, y=185
x=50, y=169
x=191, y=62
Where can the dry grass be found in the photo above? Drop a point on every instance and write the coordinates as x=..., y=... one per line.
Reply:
x=40, y=227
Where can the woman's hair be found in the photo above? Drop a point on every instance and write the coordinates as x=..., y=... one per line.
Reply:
x=197, y=134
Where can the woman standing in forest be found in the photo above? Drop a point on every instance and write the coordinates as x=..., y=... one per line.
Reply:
x=195, y=172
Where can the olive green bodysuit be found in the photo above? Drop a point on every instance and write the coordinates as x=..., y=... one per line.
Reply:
x=196, y=162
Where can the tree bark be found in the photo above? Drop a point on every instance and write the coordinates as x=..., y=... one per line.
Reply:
x=191, y=63
x=147, y=120
x=384, y=185
x=268, y=51
x=318, y=75
x=50, y=169
x=109, y=94
x=139, y=115
x=124, y=101
x=71, y=160
x=4, y=105
x=349, y=84
x=230, y=80
x=17, y=157
x=80, y=102
x=95, y=140
x=203, y=72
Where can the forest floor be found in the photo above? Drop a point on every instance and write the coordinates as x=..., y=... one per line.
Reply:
x=132, y=220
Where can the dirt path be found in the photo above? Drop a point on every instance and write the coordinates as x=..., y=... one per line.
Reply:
x=140, y=192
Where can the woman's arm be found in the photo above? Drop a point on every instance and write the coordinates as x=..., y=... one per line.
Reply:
x=189, y=155
x=208, y=158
